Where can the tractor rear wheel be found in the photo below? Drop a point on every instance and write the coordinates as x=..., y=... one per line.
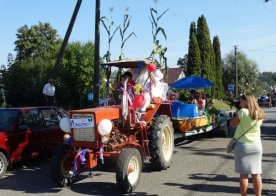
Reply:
x=128, y=170
x=62, y=165
x=161, y=136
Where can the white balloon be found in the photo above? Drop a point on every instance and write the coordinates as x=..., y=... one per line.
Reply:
x=105, y=126
x=65, y=125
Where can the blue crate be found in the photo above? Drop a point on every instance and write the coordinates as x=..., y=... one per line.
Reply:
x=180, y=109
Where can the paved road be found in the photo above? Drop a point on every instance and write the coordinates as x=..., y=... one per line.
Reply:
x=200, y=167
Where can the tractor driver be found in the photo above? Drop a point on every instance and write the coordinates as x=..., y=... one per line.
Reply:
x=130, y=83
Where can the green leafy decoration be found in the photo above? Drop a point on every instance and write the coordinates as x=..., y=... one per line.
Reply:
x=123, y=30
x=108, y=25
x=156, y=30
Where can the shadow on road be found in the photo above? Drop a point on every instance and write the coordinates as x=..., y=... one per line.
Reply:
x=33, y=177
x=268, y=132
x=205, y=188
x=27, y=177
x=100, y=188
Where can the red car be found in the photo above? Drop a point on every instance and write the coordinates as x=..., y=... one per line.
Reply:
x=28, y=132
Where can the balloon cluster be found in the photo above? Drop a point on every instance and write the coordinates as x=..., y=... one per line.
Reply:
x=154, y=89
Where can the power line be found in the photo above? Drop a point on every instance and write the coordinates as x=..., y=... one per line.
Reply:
x=260, y=50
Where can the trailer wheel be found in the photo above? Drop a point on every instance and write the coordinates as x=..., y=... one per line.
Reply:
x=128, y=170
x=62, y=165
x=161, y=137
x=3, y=164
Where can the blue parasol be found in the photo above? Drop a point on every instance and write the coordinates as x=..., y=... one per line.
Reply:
x=192, y=82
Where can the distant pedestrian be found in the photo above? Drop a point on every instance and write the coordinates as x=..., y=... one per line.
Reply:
x=274, y=90
x=49, y=92
x=269, y=100
x=248, y=149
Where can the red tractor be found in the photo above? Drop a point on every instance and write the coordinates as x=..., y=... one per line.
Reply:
x=119, y=131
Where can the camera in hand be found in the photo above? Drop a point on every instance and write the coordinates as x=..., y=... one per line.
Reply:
x=236, y=103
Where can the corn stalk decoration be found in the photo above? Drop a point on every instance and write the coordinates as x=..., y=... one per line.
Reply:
x=156, y=30
x=123, y=30
x=108, y=24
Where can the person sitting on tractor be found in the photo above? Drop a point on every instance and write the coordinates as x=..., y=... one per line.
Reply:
x=126, y=77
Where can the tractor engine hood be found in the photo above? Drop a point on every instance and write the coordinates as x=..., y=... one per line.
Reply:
x=107, y=112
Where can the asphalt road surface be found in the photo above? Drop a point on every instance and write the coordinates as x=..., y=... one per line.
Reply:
x=200, y=167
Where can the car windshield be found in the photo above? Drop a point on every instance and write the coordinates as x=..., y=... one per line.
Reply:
x=7, y=118
x=61, y=113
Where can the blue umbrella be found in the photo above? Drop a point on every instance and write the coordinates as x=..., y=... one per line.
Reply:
x=192, y=82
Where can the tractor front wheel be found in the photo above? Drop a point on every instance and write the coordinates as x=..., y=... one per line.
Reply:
x=62, y=165
x=128, y=170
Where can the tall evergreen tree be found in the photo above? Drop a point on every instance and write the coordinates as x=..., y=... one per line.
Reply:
x=194, y=61
x=218, y=69
x=192, y=29
x=206, y=49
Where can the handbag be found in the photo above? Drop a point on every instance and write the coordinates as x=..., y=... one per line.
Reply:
x=231, y=145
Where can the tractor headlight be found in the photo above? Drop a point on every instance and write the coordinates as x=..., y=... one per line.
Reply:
x=105, y=139
x=104, y=127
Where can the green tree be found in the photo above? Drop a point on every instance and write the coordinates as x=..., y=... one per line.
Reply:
x=192, y=29
x=268, y=77
x=206, y=49
x=36, y=49
x=183, y=62
x=27, y=74
x=75, y=78
x=267, y=81
x=194, y=60
x=37, y=41
x=248, y=73
x=24, y=81
x=218, y=69
x=10, y=60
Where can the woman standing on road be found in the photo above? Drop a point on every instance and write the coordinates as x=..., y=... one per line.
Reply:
x=248, y=149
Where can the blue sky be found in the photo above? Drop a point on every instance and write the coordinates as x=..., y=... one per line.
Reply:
x=250, y=24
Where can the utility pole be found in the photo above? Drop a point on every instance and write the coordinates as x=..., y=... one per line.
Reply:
x=66, y=38
x=96, y=86
x=236, y=72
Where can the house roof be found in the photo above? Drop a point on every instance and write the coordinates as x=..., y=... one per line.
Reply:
x=173, y=74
